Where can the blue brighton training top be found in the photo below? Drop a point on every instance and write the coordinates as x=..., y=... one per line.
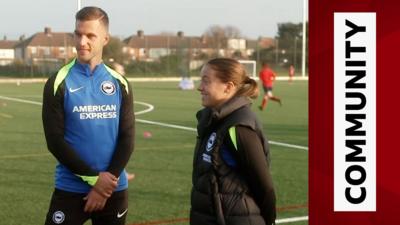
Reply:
x=90, y=109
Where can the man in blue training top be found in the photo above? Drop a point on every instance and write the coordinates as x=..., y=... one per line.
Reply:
x=88, y=122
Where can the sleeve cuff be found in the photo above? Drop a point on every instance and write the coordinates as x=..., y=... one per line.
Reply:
x=91, y=180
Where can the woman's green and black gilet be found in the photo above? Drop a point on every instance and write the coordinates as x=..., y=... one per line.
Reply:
x=223, y=194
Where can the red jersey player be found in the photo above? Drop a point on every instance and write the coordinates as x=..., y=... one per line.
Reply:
x=267, y=76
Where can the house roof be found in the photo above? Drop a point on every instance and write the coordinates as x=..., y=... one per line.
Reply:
x=7, y=44
x=163, y=41
x=52, y=39
x=48, y=39
x=264, y=42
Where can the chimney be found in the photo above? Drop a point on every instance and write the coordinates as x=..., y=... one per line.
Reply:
x=4, y=38
x=180, y=34
x=140, y=33
x=47, y=31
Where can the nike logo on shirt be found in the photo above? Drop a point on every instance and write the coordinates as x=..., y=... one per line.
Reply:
x=119, y=215
x=75, y=89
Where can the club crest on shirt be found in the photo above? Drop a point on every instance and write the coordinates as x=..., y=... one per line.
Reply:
x=211, y=141
x=108, y=87
x=58, y=217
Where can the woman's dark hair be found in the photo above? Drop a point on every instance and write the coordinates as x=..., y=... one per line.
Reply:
x=228, y=69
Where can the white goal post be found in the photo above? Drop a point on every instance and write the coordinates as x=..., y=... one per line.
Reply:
x=250, y=66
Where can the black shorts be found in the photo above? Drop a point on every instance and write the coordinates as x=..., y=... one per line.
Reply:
x=66, y=208
x=267, y=89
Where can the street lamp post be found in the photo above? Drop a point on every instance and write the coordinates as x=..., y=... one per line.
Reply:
x=168, y=55
x=303, y=63
x=295, y=52
x=146, y=54
x=277, y=52
x=258, y=50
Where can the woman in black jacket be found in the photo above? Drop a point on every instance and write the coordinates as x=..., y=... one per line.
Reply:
x=232, y=184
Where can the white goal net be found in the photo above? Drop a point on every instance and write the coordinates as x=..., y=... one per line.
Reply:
x=250, y=66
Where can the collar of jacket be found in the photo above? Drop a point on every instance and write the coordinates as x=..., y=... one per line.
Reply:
x=208, y=116
x=84, y=68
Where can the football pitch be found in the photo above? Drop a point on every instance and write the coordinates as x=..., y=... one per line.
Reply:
x=160, y=193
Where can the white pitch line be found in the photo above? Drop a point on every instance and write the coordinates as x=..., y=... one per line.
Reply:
x=151, y=108
x=166, y=125
x=48, y=154
x=291, y=220
x=288, y=145
x=5, y=115
x=24, y=156
x=194, y=129
x=20, y=100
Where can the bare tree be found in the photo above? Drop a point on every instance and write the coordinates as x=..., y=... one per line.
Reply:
x=219, y=35
x=232, y=32
x=216, y=35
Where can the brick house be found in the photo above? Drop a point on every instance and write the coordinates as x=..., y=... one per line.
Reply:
x=46, y=48
x=7, y=52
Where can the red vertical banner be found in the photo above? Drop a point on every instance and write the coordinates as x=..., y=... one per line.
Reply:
x=354, y=171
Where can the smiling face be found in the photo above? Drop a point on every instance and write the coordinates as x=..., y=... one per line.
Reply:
x=214, y=92
x=90, y=37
